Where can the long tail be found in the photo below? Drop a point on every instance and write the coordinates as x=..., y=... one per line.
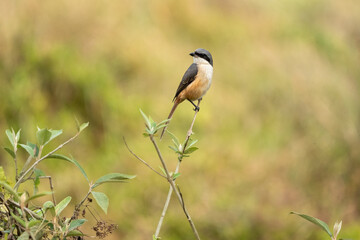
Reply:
x=176, y=103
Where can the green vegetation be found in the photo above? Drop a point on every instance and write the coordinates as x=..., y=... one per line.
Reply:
x=278, y=129
x=322, y=225
x=22, y=218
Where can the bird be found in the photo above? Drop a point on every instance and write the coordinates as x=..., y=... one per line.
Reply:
x=195, y=82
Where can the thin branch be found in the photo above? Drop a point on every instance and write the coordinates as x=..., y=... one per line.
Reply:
x=141, y=160
x=31, y=213
x=42, y=158
x=172, y=184
x=167, y=202
x=191, y=127
x=88, y=208
x=166, y=205
x=183, y=203
x=163, y=213
x=15, y=159
x=77, y=207
x=52, y=190
x=28, y=160
x=16, y=168
x=51, y=187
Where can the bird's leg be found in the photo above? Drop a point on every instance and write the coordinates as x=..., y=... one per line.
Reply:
x=197, y=108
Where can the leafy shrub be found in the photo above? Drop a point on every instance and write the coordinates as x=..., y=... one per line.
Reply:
x=20, y=219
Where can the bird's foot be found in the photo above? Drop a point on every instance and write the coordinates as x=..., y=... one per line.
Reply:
x=197, y=108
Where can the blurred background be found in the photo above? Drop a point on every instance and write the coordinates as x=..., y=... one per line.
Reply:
x=278, y=130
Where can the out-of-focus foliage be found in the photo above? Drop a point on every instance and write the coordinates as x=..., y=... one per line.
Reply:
x=278, y=130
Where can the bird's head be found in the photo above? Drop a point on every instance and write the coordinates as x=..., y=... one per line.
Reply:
x=201, y=55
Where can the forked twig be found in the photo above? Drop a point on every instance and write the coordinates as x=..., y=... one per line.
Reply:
x=167, y=202
x=172, y=184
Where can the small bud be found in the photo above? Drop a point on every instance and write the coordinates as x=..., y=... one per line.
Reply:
x=337, y=228
x=22, y=201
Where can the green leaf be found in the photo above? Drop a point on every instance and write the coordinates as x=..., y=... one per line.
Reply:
x=10, y=190
x=83, y=126
x=62, y=205
x=147, y=121
x=164, y=121
x=156, y=238
x=38, y=173
x=75, y=233
x=29, y=149
x=49, y=205
x=72, y=160
x=163, y=170
x=18, y=219
x=76, y=223
x=174, y=149
x=316, y=221
x=174, y=139
x=191, y=143
x=18, y=135
x=55, y=133
x=43, y=136
x=190, y=150
x=162, y=124
x=11, y=136
x=11, y=152
x=34, y=147
x=24, y=236
x=153, y=123
x=113, y=177
x=102, y=200
x=33, y=223
x=38, y=196
x=176, y=175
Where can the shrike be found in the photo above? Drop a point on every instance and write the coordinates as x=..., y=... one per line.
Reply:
x=195, y=82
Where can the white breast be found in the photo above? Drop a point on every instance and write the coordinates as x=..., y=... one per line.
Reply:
x=207, y=71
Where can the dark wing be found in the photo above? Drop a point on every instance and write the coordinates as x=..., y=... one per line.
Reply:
x=189, y=77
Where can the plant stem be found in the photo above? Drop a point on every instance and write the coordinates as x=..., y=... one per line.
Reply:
x=26, y=165
x=42, y=158
x=172, y=184
x=51, y=187
x=77, y=207
x=16, y=169
x=167, y=202
x=30, y=212
x=15, y=159
x=141, y=160
x=166, y=205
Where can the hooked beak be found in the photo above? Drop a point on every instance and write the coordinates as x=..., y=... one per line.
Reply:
x=192, y=54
